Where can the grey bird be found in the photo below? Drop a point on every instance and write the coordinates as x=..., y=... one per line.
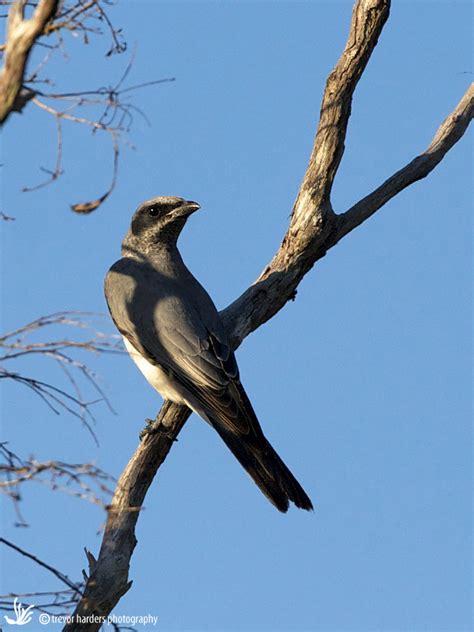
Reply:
x=173, y=332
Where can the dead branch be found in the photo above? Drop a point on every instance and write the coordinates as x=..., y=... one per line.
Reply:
x=104, y=109
x=63, y=578
x=314, y=228
x=21, y=35
x=58, y=171
x=58, y=602
x=85, y=481
x=448, y=134
x=20, y=343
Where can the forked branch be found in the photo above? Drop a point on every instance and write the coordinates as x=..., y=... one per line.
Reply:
x=313, y=229
x=105, y=109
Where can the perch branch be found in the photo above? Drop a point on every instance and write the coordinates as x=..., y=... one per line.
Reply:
x=314, y=228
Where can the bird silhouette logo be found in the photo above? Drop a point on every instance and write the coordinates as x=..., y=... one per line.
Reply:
x=23, y=615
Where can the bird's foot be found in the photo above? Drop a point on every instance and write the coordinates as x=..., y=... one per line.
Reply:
x=153, y=427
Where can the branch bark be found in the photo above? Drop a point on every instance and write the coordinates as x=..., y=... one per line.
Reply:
x=20, y=38
x=448, y=134
x=313, y=229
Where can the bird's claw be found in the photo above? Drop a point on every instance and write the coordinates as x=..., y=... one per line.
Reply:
x=153, y=428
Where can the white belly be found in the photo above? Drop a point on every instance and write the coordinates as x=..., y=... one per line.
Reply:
x=157, y=377
x=164, y=383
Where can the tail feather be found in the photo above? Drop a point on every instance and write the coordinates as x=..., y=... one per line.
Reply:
x=267, y=469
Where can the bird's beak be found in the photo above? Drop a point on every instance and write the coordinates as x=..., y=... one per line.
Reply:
x=186, y=209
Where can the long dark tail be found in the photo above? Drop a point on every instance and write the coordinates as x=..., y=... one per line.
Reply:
x=266, y=468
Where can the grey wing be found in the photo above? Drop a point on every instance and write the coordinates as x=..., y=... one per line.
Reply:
x=203, y=361
x=206, y=367
x=181, y=337
x=188, y=341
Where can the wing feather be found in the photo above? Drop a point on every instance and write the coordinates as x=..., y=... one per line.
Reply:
x=181, y=332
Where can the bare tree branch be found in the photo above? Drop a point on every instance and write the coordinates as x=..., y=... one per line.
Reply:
x=17, y=344
x=314, y=228
x=87, y=207
x=58, y=602
x=108, y=575
x=21, y=35
x=6, y=218
x=57, y=171
x=64, y=578
x=104, y=109
x=448, y=134
x=313, y=221
x=368, y=19
x=80, y=480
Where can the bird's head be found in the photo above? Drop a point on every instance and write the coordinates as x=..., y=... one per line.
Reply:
x=158, y=221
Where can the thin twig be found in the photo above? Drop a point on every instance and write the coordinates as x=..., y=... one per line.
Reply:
x=449, y=132
x=53, y=175
x=75, y=479
x=17, y=345
x=84, y=18
x=51, y=569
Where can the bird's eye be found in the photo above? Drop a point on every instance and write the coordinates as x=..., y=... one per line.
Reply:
x=153, y=211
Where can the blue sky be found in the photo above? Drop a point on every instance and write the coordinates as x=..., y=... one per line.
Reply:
x=362, y=384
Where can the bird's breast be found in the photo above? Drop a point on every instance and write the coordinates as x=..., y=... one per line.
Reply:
x=156, y=376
